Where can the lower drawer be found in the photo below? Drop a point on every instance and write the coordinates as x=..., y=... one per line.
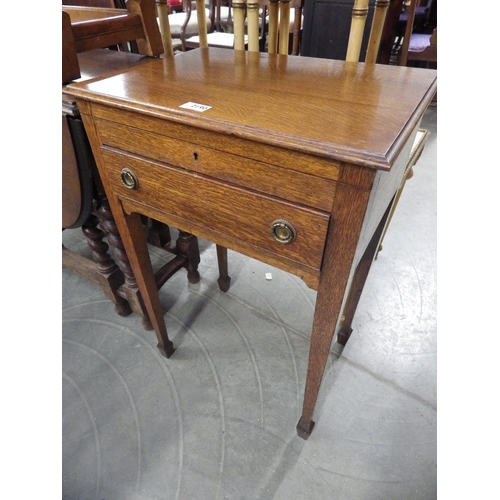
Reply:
x=237, y=213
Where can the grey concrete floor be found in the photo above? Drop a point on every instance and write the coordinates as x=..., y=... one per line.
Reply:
x=217, y=420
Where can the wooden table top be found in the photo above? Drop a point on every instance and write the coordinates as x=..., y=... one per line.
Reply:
x=353, y=112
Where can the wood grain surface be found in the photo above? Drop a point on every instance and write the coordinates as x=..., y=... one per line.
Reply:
x=335, y=109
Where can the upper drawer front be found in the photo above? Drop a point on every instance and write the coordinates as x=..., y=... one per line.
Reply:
x=235, y=212
x=284, y=156
x=290, y=185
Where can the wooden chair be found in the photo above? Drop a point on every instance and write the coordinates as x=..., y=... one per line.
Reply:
x=417, y=48
x=289, y=25
x=85, y=10
x=297, y=22
x=178, y=26
x=328, y=23
x=395, y=25
x=114, y=26
x=219, y=18
x=246, y=33
x=217, y=23
x=248, y=19
x=78, y=13
x=183, y=25
x=84, y=202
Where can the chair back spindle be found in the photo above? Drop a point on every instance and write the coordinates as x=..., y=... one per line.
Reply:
x=253, y=25
x=201, y=15
x=284, y=28
x=297, y=27
x=247, y=22
x=359, y=15
x=239, y=24
x=379, y=16
x=272, y=33
x=166, y=34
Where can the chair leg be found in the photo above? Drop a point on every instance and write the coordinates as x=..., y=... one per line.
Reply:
x=130, y=289
x=187, y=245
x=88, y=268
x=159, y=234
x=107, y=273
x=224, y=279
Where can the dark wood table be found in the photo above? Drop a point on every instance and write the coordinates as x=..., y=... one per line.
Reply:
x=294, y=161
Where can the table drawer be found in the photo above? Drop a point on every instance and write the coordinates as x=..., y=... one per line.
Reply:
x=237, y=213
x=287, y=184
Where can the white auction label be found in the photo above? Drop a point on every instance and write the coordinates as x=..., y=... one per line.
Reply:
x=195, y=106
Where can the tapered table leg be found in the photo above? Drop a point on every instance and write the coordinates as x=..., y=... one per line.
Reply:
x=340, y=247
x=224, y=279
x=132, y=233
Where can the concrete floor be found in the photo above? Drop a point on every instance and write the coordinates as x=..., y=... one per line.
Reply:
x=217, y=420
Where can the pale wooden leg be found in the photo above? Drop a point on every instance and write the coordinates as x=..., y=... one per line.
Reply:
x=272, y=37
x=284, y=28
x=166, y=35
x=358, y=20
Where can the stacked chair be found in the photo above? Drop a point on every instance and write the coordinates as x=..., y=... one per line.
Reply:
x=87, y=34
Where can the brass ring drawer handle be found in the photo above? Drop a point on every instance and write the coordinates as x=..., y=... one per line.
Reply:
x=129, y=179
x=283, y=231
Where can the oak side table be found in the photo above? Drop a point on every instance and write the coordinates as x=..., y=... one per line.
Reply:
x=294, y=161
